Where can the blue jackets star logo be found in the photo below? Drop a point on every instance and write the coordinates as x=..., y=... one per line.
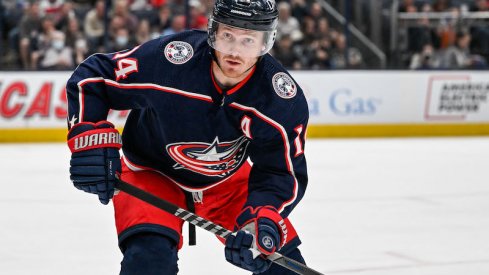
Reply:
x=216, y=159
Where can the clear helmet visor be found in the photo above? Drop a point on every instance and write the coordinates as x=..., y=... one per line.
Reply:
x=239, y=42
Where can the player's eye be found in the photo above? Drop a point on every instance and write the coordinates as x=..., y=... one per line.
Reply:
x=248, y=41
x=227, y=36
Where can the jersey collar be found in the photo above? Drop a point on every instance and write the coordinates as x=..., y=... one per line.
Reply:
x=237, y=86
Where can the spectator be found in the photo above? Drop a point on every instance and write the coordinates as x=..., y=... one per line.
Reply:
x=323, y=29
x=177, y=25
x=139, y=5
x=116, y=23
x=157, y=3
x=419, y=35
x=122, y=40
x=177, y=6
x=458, y=56
x=341, y=52
x=298, y=9
x=480, y=5
x=143, y=32
x=442, y=5
x=480, y=34
x=50, y=7
x=308, y=30
x=426, y=59
x=83, y=5
x=446, y=33
x=287, y=24
x=316, y=11
x=57, y=56
x=426, y=7
x=28, y=31
x=128, y=20
x=44, y=40
x=94, y=25
x=287, y=53
x=75, y=39
x=319, y=53
x=164, y=19
x=208, y=5
x=13, y=12
x=198, y=18
x=406, y=5
x=63, y=16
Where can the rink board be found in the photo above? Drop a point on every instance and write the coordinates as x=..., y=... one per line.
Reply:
x=313, y=131
x=341, y=104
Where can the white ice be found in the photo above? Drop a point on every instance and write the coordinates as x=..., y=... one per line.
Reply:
x=373, y=207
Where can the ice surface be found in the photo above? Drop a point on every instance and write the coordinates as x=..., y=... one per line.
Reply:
x=373, y=207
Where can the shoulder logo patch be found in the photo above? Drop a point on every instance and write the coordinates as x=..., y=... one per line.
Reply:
x=284, y=86
x=178, y=52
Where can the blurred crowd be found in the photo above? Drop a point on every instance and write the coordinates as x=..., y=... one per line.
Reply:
x=59, y=34
x=447, y=42
x=312, y=43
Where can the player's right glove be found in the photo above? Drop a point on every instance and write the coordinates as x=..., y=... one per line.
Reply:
x=261, y=232
x=95, y=158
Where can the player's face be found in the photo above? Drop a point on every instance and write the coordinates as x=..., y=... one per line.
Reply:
x=237, y=50
x=239, y=42
x=234, y=66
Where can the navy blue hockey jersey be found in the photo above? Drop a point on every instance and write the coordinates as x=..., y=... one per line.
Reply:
x=187, y=128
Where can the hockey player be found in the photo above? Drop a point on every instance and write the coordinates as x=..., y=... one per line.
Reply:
x=216, y=126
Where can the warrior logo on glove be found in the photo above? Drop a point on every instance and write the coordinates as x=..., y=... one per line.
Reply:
x=96, y=139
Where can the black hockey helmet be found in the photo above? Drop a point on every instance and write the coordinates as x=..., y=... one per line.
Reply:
x=259, y=15
x=255, y=15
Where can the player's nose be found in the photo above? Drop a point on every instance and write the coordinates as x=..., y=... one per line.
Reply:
x=235, y=50
x=234, y=54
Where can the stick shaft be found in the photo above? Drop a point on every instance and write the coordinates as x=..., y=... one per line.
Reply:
x=218, y=230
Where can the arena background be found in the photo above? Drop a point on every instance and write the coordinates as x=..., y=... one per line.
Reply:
x=409, y=74
x=368, y=67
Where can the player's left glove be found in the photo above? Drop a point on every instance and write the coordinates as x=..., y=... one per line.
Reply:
x=95, y=158
x=262, y=231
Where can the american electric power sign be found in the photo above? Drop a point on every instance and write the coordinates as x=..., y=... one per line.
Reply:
x=456, y=97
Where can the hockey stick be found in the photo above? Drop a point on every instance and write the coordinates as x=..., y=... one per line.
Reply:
x=220, y=231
